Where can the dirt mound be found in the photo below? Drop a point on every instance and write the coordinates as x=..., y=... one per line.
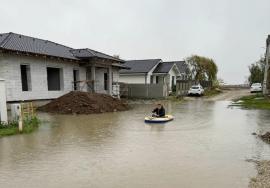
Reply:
x=265, y=137
x=77, y=102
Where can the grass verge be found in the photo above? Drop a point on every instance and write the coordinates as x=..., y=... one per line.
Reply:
x=257, y=101
x=7, y=129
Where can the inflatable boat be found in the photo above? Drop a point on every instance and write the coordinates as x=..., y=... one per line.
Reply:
x=150, y=119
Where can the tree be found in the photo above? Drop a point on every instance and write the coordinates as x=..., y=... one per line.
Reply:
x=218, y=83
x=202, y=68
x=257, y=72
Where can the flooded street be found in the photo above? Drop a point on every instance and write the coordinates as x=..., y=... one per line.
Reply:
x=207, y=145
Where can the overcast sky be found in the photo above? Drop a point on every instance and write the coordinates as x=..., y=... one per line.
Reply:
x=232, y=32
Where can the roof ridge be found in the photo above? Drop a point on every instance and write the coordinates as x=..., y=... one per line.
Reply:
x=42, y=40
x=19, y=42
x=6, y=39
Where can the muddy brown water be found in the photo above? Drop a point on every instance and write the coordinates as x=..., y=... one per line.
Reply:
x=205, y=146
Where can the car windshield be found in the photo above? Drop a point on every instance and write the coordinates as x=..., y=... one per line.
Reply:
x=194, y=87
x=256, y=84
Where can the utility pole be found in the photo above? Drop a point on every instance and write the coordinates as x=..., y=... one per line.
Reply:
x=266, y=82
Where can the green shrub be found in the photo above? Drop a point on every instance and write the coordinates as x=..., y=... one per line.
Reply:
x=11, y=128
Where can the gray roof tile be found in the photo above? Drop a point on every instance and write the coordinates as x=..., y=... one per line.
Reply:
x=3, y=37
x=164, y=67
x=88, y=53
x=140, y=66
x=22, y=43
x=181, y=65
x=17, y=42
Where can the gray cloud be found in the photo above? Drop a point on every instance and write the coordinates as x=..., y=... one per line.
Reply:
x=231, y=32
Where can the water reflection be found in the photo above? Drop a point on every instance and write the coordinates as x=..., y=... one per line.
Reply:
x=205, y=146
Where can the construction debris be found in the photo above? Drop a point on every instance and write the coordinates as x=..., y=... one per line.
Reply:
x=78, y=102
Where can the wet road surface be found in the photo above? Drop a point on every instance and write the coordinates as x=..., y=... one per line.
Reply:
x=205, y=146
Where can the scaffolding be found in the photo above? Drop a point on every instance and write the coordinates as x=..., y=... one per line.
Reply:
x=27, y=111
x=84, y=85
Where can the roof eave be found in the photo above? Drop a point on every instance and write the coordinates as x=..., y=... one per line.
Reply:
x=160, y=72
x=120, y=66
x=133, y=73
x=37, y=54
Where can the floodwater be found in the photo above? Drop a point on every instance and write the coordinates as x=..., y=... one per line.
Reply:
x=207, y=145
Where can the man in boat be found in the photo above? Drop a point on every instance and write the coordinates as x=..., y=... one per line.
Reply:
x=159, y=111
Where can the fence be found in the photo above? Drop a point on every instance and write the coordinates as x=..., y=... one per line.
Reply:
x=145, y=91
x=3, y=102
x=182, y=86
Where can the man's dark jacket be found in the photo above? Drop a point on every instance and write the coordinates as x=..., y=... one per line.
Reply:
x=159, y=112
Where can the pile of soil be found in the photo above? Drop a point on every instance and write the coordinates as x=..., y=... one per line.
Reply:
x=77, y=102
x=265, y=137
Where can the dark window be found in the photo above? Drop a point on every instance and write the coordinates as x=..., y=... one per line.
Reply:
x=54, y=79
x=151, y=79
x=173, y=83
x=105, y=81
x=75, y=79
x=26, y=77
x=156, y=79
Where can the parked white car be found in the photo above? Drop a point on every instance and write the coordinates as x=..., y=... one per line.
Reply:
x=196, y=90
x=256, y=87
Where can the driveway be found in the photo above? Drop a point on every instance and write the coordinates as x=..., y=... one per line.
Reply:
x=229, y=95
x=226, y=95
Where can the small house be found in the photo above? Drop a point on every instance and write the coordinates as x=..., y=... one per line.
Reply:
x=37, y=69
x=153, y=71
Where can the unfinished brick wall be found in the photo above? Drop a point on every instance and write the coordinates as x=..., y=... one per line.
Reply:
x=10, y=71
